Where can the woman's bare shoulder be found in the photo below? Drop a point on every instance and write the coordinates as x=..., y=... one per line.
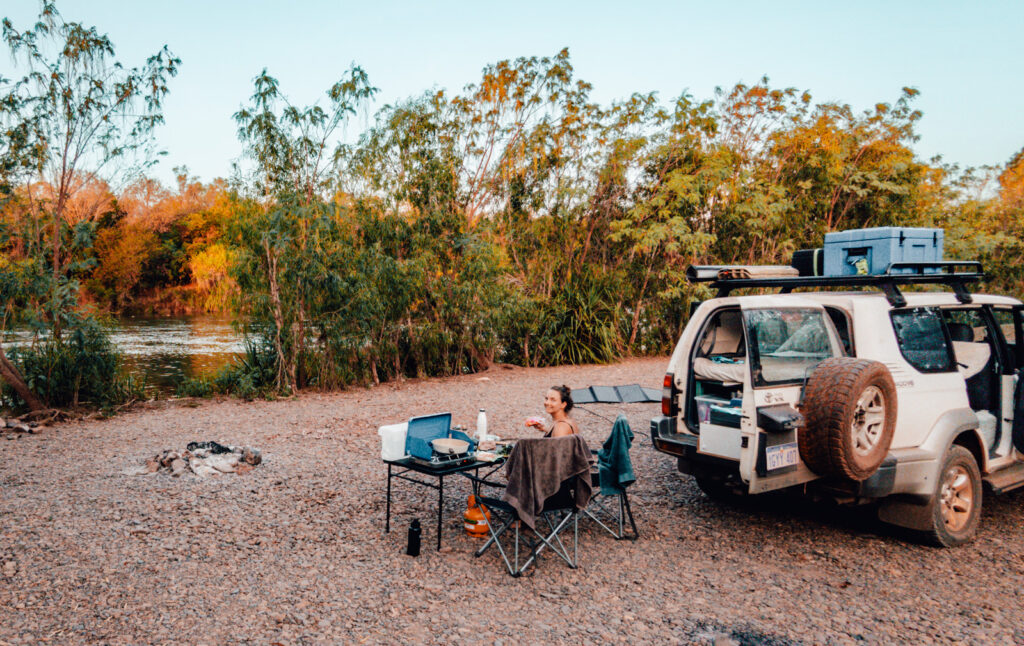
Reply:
x=564, y=427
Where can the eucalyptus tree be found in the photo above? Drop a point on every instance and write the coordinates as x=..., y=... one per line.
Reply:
x=72, y=113
x=294, y=153
x=19, y=278
x=83, y=114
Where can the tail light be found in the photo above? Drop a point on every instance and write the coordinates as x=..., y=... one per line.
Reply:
x=669, y=406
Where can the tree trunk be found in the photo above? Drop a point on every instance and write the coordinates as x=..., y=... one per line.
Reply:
x=58, y=220
x=638, y=308
x=13, y=378
x=275, y=301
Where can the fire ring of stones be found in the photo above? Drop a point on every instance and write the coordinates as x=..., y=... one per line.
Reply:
x=203, y=459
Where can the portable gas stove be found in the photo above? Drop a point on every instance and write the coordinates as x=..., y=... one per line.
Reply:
x=438, y=460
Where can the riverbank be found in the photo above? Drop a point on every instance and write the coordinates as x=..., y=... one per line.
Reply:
x=294, y=552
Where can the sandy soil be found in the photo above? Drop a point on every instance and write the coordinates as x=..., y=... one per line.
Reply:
x=295, y=552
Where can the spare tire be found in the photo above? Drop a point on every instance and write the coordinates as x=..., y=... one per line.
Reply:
x=849, y=413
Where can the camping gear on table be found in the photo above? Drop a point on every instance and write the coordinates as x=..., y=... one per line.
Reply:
x=392, y=441
x=431, y=474
x=449, y=446
x=421, y=433
x=481, y=425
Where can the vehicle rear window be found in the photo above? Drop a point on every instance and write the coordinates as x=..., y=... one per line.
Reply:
x=922, y=339
x=786, y=344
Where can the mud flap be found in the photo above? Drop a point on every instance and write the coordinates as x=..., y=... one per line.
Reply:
x=912, y=513
x=1018, y=412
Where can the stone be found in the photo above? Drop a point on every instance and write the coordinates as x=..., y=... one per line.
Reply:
x=10, y=568
x=225, y=463
x=201, y=469
x=178, y=467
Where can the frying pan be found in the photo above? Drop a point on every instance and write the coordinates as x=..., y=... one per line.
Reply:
x=449, y=445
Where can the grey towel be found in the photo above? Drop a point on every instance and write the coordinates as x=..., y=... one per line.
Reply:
x=538, y=467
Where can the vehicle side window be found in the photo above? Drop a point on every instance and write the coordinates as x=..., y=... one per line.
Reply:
x=922, y=339
x=1005, y=322
x=841, y=321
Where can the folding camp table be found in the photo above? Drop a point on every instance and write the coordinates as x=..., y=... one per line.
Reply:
x=401, y=468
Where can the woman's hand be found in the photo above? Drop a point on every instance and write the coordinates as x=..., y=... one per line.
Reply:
x=536, y=423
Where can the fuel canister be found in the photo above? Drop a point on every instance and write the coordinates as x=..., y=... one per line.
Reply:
x=474, y=520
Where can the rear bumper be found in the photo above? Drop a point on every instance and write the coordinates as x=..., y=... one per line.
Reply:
x=683, y=446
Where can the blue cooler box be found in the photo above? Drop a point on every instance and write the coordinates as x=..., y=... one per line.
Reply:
x=871, y=251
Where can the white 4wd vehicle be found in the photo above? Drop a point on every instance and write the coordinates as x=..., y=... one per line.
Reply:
x=913, y=400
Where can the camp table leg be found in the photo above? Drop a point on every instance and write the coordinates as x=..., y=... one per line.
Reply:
x=387, y=506
x=440, y=509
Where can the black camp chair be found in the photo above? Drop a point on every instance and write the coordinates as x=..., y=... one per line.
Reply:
x=558, y=513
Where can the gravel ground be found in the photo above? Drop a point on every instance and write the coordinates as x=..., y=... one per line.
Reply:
x=294, y=552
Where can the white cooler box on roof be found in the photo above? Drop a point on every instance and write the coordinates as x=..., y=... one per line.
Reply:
x=871, y=251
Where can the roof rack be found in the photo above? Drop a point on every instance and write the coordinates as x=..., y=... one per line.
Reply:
x=957, y=274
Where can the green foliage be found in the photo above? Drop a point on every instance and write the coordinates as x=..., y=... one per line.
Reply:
x=72, y=112
x=580, y=323
x=515, y=221
x=249, y=377
x=81, y=369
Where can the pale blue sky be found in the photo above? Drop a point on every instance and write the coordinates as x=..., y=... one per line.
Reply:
x=966, y=58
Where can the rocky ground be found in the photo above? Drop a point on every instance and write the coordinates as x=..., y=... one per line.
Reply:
x=294, y=551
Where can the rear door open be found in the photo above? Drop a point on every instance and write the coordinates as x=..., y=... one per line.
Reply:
x=786, y=338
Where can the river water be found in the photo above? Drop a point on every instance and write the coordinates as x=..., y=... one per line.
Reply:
x=166, y=350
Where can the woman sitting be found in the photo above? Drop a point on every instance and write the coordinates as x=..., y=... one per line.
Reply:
x=557, y=403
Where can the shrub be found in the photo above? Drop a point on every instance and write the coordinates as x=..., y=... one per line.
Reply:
x=80, y=368
x=249, y=377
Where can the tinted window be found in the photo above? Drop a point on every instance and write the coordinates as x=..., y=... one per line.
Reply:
x=922, y=340
x=841, y=323
x=787, y=344
x=1005, y=322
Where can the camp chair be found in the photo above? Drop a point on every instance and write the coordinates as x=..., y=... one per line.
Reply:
x=518, y=508
x=611, y=476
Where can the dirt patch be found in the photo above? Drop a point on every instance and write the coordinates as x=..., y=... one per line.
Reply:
x=295, y=552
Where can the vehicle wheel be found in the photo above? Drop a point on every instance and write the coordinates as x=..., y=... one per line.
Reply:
x=956, y=506
x=850, y=413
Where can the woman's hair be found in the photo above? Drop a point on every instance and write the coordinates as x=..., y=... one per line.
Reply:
x=566, y=394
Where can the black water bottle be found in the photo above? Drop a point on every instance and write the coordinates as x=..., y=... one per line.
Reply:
x=414, y=538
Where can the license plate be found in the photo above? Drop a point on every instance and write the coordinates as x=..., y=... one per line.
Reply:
x=782, y=455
